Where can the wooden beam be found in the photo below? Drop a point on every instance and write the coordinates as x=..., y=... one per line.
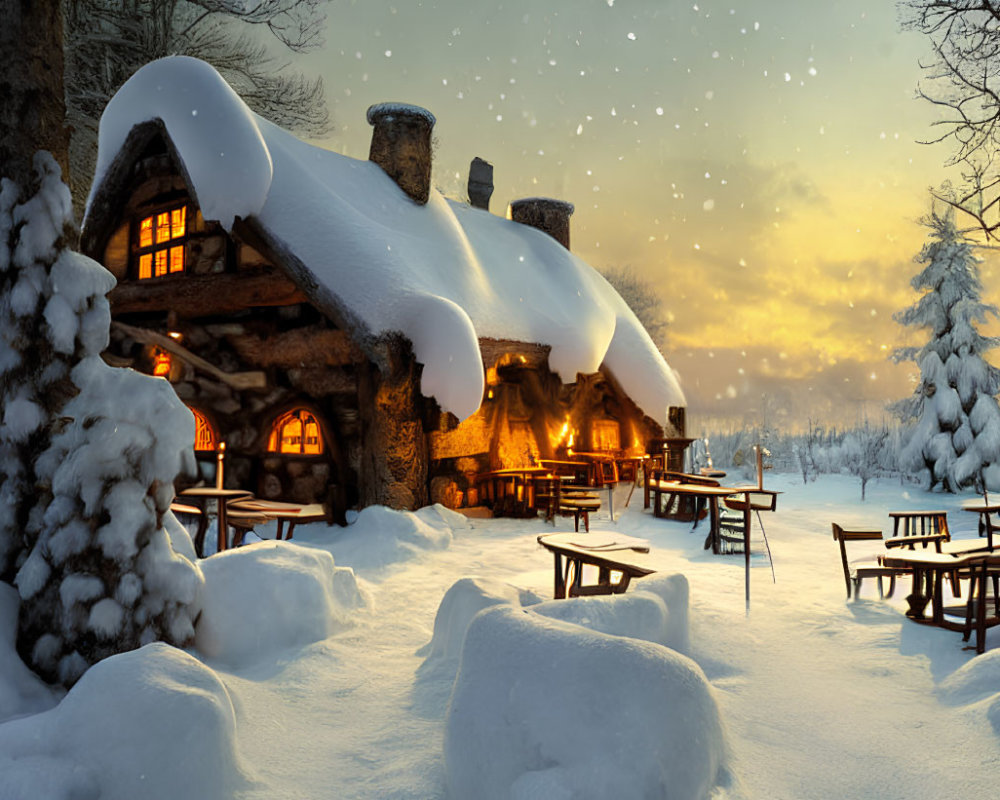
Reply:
x=301, y=347
x=236, y=380
x=192, y=296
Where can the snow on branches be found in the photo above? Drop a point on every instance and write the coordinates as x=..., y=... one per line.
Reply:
x=88, y=454
x=955, y=436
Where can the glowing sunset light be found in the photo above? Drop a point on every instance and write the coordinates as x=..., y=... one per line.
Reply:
x=760, y=167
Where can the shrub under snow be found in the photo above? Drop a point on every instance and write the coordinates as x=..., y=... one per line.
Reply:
x=268, y=596
x=152, y=723
x=544, y=708
x=463, y=600
x=655, y=609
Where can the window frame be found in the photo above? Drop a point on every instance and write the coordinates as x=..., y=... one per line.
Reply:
x=210, y=425
x=284, y=418
x=165, y=246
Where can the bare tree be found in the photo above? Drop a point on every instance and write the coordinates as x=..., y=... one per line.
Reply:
x=642, y=297
x=962, y=78
x=107, y=41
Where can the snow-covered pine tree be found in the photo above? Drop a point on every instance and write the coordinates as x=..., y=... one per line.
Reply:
x=88, y=454
x=955, y=431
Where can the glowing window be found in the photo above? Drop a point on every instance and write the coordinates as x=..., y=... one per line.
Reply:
x=204, y=433
x=606, y=434
x=297, y=433
x=161, y=243
x=161, y=363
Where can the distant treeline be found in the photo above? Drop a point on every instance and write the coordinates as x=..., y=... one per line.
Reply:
x=867, y=451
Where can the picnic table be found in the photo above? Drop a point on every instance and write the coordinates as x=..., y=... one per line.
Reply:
x=608, y=552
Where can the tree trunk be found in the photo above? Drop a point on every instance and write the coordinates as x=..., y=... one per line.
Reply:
x=32, y=103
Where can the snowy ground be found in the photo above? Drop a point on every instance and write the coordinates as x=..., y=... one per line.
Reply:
x=819, y=697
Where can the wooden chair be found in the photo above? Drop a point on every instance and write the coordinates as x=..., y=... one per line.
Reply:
x=983, y=575
x=919, y=523
x=198, y=540
x=855, y=572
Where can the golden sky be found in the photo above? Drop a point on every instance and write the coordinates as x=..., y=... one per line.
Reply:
x=755, y=161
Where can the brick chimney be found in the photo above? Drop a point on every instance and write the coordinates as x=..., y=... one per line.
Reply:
x=480, y=183
x=401, y=145
x=546, y=214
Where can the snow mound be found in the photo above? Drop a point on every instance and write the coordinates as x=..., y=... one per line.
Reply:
x=973, y=681
x=152, y=723
x=657, y=611
x=270, y=596
x=463, y=600
x=542, y=708
x=21, y=692
x=438, y=516
x=380, y=536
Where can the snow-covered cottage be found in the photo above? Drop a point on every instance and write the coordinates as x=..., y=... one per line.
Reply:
x=351, y=335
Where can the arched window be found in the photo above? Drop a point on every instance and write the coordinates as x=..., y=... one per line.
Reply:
x=205, y=437
x=296, y=433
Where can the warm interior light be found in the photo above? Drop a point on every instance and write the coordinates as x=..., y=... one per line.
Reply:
x=296, y=432
x=161, y=363
x=160, y=232
x=204, y=433
x=606, y=434
x=174, y=335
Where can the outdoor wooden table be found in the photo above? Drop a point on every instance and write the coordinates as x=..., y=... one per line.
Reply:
x=201, y=495
x=714, y=494
x=293, y=513
x=581, y=470
x=609, y=552
x=929, y=569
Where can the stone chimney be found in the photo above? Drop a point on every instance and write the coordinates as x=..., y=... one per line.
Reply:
x=401, y=145
x=546, y=214
x=480, y=183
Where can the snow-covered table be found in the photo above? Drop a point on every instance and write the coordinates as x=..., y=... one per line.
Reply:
x=292, y=513
x=608, y=552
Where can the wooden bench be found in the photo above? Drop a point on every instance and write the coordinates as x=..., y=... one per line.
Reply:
x=610, y=553
x=855, y=573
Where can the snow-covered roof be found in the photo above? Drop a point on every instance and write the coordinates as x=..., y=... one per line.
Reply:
x=443, y=274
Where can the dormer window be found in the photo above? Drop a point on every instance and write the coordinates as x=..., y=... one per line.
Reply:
x=161, y=239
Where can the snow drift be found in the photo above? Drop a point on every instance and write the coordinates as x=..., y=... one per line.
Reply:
x=269, y=596
x=543, y=708
x=152, y=723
